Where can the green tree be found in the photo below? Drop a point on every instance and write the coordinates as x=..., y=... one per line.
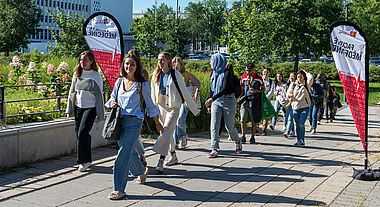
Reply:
x=366, y=14
x=69, y=40
x=282, y=27
x=18, y=19
x=196, y=23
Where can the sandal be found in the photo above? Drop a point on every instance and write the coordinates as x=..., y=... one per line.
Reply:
x=116, y=195
x=142, y=178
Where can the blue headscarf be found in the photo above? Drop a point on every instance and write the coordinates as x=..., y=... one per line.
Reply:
x=219, y=63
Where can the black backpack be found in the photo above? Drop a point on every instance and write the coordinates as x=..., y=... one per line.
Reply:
x=236, y=86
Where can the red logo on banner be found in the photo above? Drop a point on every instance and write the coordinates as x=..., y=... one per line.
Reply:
x=353, y=34
x=105, y=21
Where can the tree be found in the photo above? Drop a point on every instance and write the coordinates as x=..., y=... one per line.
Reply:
x=196, y=23
x=69, y=40
x=366, y=14
x=18, y=19
x=283, y=27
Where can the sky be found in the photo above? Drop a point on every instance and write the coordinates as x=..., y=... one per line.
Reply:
x=143, y=5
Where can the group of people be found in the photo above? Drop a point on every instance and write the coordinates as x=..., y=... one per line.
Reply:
x=171, y=94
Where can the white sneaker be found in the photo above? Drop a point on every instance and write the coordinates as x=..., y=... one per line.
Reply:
x=184, y=141
x=160, y=165
x=84, y=166
x=173, y=160
x=283, y=128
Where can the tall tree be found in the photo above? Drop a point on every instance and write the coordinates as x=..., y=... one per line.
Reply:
x=196, y=23
x=18, y=19
x=283, y=27
x=69, y=40
x=366, y=14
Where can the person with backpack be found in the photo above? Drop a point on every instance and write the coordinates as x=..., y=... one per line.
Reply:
x=169, y=92
x=193, y=85
x=269, y=91
x=221, y=101
x=279, y=90
x=130, y=91
x=316, y=92
x=250, y=102
x=299, y=92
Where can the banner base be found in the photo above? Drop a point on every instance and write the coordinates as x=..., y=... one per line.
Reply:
x=367, y=174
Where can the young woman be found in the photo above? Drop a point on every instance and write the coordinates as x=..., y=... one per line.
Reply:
x=289, y=131
x=221, y=102
x=193, y=85
x=166, y=96
x=85, y=102
x=299, y=92
x=128, y=99
x=279, y=90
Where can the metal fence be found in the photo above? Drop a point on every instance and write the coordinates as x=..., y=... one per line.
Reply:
x=3, y=102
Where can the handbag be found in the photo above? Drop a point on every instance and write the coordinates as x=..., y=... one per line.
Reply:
x=267, y=109
x=112, y=125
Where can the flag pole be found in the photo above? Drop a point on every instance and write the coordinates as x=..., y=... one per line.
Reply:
x=366, y=100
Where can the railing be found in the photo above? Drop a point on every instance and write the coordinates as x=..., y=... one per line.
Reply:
x=3, y=102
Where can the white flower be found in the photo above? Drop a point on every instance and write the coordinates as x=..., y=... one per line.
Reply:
x=32, y=66
x=63, y=67
x=16, y=62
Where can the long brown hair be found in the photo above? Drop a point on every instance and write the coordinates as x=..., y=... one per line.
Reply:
x=158, y=70
x=135, y=53
x=138, y=75
x=78, y=69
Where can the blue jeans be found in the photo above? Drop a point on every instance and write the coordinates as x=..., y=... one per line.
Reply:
x=180, y=129
x=313, y=116
x=289, y=120
x=127, y=159
x=277, y=107
x=227, y=109
x=300, y=116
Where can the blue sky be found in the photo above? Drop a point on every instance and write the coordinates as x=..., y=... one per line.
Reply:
x=143, y=5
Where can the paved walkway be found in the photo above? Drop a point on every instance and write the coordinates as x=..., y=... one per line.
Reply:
x=269, y=173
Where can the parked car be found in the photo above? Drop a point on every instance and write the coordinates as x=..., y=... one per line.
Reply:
x=305, y=61
x=374, y=61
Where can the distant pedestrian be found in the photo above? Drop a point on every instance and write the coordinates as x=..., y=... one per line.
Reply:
x=167, y=86
x=336, y=101
x=299, y=93
x=289, y=131
x=85, y=103
x=193, y=85
x=250, y=109
x=221, y=101
x=321, y=80
x=269, y=91
x=132, y=88
x=329, y=107
x=279, y=91
x=316, y=92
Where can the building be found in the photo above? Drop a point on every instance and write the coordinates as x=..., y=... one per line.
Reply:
x=120, y=9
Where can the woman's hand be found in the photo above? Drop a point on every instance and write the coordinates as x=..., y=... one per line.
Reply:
x=113, y=104
x=209, y=102
x=159, y=128
x=209, y=110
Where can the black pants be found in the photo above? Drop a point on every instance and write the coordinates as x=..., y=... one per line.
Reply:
x=329, y=107
x=84, y=119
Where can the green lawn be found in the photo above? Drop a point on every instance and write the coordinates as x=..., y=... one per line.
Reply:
x=374, y=91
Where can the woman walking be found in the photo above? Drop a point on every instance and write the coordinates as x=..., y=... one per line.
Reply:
x=289, y=131
x=86, y=103
x=193, y=85
x=299, y=92
x=168, y=93
x=279, y=90
x=221, y=102
x=129, y=89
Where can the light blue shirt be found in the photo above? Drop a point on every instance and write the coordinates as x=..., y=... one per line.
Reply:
x=129, y=101
x=164, y=82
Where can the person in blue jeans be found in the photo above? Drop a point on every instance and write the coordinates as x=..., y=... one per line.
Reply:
x=221, y=102
x=132, y=87
x=289, y=131
x=299, y=92
x=193, y=85
x=316, y=93
x=279, y=90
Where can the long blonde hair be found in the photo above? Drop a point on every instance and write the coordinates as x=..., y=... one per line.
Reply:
x=158, y=71
x=179, y=60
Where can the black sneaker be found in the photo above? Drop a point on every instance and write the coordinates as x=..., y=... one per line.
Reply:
x=271, y=127
x=243, y=140
x=252, y=140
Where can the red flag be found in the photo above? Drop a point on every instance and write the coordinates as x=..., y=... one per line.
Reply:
x=104, y=37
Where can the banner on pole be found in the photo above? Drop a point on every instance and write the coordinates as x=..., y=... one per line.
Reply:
x=104, y=37
x=350, y=50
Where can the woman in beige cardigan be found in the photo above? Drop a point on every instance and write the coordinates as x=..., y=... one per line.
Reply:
x=166, y=96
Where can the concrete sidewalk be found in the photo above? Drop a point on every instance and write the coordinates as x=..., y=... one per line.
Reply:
x=270, y=173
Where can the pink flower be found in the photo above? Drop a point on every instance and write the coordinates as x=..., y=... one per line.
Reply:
x=63, y=67
x=66, y=78
x=50, y=69
x=10, y=75
x=52, y=94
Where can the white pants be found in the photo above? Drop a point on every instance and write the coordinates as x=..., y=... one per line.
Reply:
x=168, y=119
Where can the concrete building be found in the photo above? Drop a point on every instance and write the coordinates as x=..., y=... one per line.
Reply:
x=120, y=9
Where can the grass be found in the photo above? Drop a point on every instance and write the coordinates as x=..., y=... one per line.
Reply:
x=374, y=91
